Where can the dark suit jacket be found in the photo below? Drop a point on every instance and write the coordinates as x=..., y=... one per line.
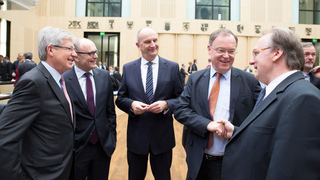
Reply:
x=194, y=67
x=280, y=139
x=193, y=110
x=38, y=116
x=117, y=75
x=25, y=67
x=150, y=131
x=314, y=80
x=183, y=75
x=7, y=71
x=104, y=118
x=189, y=69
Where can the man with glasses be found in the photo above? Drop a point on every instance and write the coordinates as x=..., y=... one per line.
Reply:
x=37, y=125
x=90, y=89
x=280, y=138
x=310, y=58
x=233, y=100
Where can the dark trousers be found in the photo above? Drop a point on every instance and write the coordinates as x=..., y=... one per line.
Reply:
x=160, y=165
x=210, y=169
x=92, y=163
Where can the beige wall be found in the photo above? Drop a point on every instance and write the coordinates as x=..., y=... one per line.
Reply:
x=177, y=44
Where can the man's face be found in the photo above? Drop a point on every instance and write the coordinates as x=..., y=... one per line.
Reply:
x=87, y=62
x=62, y=58
x=222, y=62
x=148, y=44
x=262, y=60
x=309, y=57
x=20, y=56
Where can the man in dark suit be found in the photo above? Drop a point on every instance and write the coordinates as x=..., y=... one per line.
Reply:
x=236, y=98
x=37, y=125
x=7, y=69
x=96, y=122
x=183, y=74
x=194, y=65
x=310, y=58
x=149, y=90
x=280, y=138
x=27, y=65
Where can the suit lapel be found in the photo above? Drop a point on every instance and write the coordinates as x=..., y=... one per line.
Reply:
x=162, y=72
x=56, y=89
x=98, y=83
x=234, y=93
x=75, y=86
x=268, y=100
x=138, y=79
x=203, y=89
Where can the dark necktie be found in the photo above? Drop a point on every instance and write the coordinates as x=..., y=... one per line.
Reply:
x=213, y=98
x=149, y=83
x=90, y=101
x=260, y=98
x=64, y=89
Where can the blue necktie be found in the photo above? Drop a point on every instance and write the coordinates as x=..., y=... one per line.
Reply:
x=149, y=83
x=260, y=98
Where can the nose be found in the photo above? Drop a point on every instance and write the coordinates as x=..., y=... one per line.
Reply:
x=73, y=53
x=252, y=61
x=226, y=54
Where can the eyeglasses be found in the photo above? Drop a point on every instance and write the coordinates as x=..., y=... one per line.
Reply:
x=91, y=54
x=255, y=53
x=68, y=48
x=222, y=51
x=308, y=54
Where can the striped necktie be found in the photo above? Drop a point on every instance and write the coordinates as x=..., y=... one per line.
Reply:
x=149, y=83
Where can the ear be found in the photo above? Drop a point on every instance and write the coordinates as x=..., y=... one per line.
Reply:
x=209, y=49
x=49, y=50
x=137, y=44
x=278, y=53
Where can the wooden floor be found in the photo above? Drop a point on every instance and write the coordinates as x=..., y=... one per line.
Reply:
x=119, y=165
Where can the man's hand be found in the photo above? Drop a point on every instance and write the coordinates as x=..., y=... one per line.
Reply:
x=157, y=107
x=138, y=107
x=316, y=71
x=228, y=128
x=218, y=128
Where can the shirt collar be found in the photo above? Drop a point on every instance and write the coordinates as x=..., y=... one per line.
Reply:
x=80, y=72
x=54, y=73
x=144, y=61
x=226, y=75
x=271, y=86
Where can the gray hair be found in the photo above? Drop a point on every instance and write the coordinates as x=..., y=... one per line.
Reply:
x=223, y=32
x=28, y=55
x=290, y=43
x=51, y=36
x=307, y=44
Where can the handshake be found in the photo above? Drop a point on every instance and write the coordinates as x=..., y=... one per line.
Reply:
x=222, y=127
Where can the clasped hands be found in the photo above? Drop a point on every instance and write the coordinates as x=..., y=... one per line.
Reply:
x=156, y=107
x=222, y=127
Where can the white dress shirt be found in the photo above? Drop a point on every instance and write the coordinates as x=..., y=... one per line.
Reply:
x=155, y=70
x=82, y=81
x=222, y=109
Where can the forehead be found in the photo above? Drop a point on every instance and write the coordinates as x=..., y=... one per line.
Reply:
x=263, y=41
x=309, y=49
x=148, y=34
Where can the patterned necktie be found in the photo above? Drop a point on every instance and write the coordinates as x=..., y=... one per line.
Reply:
x=260, y=98
x=64, y=89
x=90, y=101
x=149, y=83
x=213, y=98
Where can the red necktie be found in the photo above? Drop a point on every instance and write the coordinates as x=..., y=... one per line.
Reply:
x=90, y=101
x=213, y=98
x=64, y=89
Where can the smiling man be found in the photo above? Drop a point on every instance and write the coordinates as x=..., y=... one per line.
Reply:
x=235, y=98
x=37, y=127
x=149, y=90
x=90, y=89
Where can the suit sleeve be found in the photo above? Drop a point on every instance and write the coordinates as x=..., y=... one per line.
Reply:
x=123, y=101
x=186, y=115
x=177, y=90
x=295, y=154
x=17, y=117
